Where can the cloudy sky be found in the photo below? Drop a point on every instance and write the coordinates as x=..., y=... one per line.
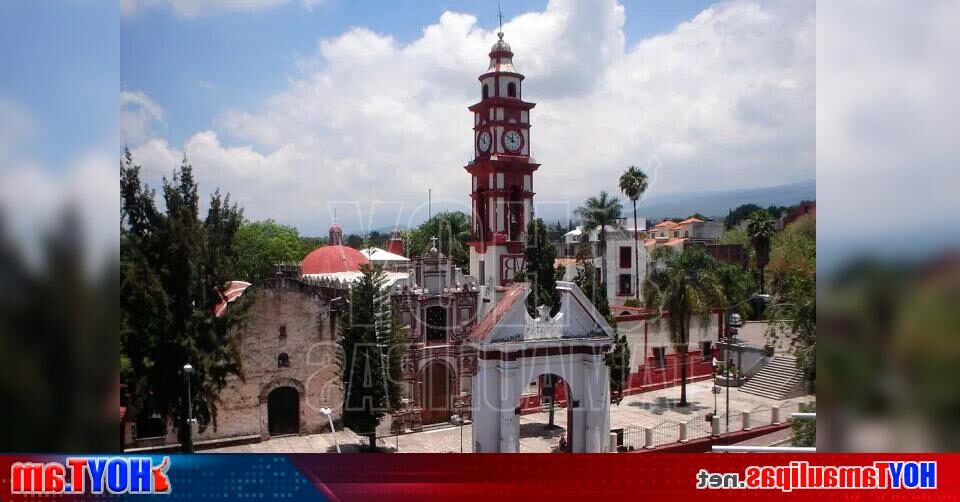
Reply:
x=298, y=106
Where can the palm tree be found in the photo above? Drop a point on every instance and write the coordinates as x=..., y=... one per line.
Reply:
x=686, y=286
x=633, y=183
x=602, y=211
x=761, y=228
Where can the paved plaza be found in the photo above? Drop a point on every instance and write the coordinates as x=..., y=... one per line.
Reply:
x=649, y=409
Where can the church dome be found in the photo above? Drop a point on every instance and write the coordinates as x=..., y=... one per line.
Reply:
x=332, y=259
x=501, y=57
x=501, y=46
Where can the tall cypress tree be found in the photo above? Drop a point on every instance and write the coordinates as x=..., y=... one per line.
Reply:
x=171, y=266
x=370, y=356
x=541, y=255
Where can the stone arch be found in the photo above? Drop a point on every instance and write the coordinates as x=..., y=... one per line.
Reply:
x=551, y=386
x=498, y=387
x=266, y=390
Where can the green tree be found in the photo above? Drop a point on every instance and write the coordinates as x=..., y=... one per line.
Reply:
x=738, y=215
x=805, y=430
x=452, y=230
x=370, y=356
x=737, y=287
x=263, y=244
x=541, y=255
x=633, y=183
x=171, y=266
x=684, y=288
x=761, y=229
x=618, y=361
x=793, y=314
x=600, y=213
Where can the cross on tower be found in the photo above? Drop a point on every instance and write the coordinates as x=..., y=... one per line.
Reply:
x=434, y=246
x=500, y=16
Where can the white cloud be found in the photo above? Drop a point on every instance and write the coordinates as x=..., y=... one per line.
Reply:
x=193, y=8
x=725, y=100
x=138, y=116
x=886, y=131
x=34, y=197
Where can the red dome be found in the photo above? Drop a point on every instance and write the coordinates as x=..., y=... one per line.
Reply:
x=331, y=259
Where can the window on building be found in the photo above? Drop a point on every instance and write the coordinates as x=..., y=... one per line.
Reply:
x=676, y=234
x=486, y=91
x=436, y=324
x=659, y=357
x=706, y=351
x=482, y=273
x=625, y=256
x=623, y=285
x=283, y=360
x=512, y=90
x=282, y=335
x=686, y=233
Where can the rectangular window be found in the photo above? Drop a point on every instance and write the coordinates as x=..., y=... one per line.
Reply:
x=676, y=235
x=624, y=283
x=706, y=351
x=482, y=273
x=659, y=357
x=625, y=256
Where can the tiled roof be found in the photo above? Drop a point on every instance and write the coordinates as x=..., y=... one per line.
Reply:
x=490, y=321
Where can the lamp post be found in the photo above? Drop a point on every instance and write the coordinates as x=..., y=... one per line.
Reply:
x=458, y=420
x=329, y=414
x=726, y=346
x=188, y=438
x=715, y=389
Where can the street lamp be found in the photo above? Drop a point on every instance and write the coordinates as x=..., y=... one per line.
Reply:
x=328, y=413
x=726, y=333
x=458, y=420
x=188, y=442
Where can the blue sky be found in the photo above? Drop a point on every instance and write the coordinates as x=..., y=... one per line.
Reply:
x=293, y=105
x=197, y=66
x=60, y=64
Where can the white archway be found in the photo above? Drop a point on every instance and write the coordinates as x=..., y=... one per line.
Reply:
x=514, y=349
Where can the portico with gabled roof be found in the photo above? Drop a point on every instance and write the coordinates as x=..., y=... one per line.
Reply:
x=514, y=348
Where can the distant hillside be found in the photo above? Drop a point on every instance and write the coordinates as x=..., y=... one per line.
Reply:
x=713, y=203
x=718, y=203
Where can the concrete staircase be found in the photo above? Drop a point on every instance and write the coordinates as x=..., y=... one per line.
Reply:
x=779, y=379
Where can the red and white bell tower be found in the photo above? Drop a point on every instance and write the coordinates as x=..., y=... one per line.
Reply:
x=501, y=173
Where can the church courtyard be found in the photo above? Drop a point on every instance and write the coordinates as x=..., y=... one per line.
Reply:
x=649, y=409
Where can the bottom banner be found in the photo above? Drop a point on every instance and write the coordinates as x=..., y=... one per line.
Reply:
x=447, y=477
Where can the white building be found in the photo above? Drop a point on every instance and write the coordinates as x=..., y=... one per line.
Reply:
x=622, y=265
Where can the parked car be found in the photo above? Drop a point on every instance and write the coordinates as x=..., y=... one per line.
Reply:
x=735, y=320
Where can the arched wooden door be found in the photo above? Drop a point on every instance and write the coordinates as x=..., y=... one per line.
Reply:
x=283, y=411
x=435, y=393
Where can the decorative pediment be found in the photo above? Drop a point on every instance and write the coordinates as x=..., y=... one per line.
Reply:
x=509, y=320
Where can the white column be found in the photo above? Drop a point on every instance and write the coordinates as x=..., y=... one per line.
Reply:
x=510, y=400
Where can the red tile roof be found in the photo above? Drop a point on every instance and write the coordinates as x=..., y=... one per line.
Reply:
x=513, y=295
x=331, y=259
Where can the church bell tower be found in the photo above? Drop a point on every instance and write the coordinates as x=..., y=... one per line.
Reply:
x=501, y=173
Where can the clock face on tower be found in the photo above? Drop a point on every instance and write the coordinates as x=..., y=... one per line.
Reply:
x=483, y=142
x=512, y=141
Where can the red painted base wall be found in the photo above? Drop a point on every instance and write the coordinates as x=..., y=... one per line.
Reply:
x=648, y=377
